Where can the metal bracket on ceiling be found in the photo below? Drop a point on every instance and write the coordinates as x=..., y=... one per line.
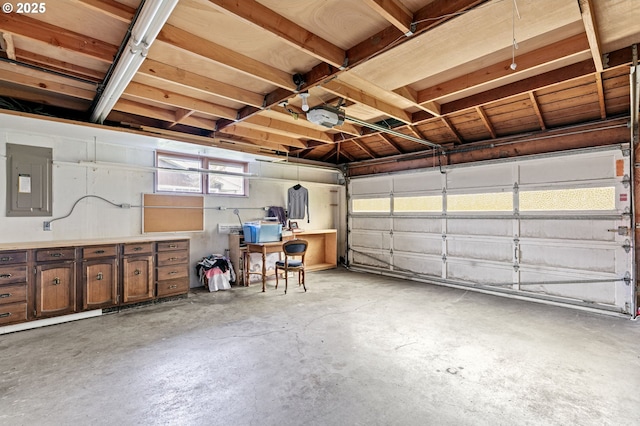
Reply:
x=345, y=63
x=412, y=29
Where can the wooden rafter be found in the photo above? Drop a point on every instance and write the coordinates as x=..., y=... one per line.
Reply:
x=181, y=114
x=44, y=81
x=571, y=46
x=254, y=13
x=136, y=108
x=56, y=37
x=589, y=20
x=166, y=97
x=8, y=46
x=391, y=143
x=411, y=95
x=486, y=121
x=394, y=12
x=60, y=66
x=181, y=39
x=44, y=98
x=601, y=100
x=339, y=88
x=536, y=109
x=453, y=130
x=360, y=145
x=189, y=79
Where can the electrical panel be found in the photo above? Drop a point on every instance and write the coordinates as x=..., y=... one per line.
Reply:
x=29, y=183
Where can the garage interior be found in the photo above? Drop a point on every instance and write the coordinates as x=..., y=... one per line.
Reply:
x=475, y=159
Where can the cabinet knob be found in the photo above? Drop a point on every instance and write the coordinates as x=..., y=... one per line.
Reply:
x=5, y=295
x=6, y=314
x=137, y=272
x=99, y=251
x=137, y=248
x=5, y=276
x=99, y=277
x=56, y=281
x=172, y=246
x=6, y=258
x=56, y=255
x=172, y=258
x=173, y=286
x=173, y=272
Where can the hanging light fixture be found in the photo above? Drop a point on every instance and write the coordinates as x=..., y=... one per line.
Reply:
x=514, y=43
x=305, y=104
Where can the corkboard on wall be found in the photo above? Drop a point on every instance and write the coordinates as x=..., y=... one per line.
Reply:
x=172, y=213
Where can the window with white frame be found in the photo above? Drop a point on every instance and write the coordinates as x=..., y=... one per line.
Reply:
x=179, y=173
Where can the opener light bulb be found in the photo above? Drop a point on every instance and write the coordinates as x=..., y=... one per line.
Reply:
x=305, y=105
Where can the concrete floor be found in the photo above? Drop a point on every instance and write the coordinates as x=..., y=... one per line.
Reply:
x=355, y=349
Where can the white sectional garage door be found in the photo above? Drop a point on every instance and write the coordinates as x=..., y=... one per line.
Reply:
x=552, y=228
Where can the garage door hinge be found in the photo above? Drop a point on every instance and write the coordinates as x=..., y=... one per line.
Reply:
x=627, y=246
x=444, y=257
x=516, y=267
x=626, y=181
x=444, y=237
x=627, y=278
x=391, y=232
x=515, y=188
x=626, y=152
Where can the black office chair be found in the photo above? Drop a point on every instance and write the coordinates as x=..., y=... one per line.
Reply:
x=292, y=249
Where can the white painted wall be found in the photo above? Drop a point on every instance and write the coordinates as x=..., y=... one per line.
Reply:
x=93, y=218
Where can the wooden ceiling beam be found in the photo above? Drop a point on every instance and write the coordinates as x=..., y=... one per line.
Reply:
x=137, y=108
x=8, y=46
x=335, y=151
x=271, y=145
x=411, y=95
x=166, y=97
x=43, y=81
x=537, y=82
x=119, y=11
x=359, y=96
x=181, y=114
x=203, y=84
x=486, y=121
x=289, y=129
x=263, y=136
x=452, y=129
x=394, y=12
x=536, y=109
x=601, y=99
x=43, y=98
x=591, y=28
x=569, y=47
x=391, y=143
x=254, y=13
x=183, y=40
x=57, y=37
x=60, y=66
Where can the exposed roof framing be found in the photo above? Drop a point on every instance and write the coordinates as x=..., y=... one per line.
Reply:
x=229, y=72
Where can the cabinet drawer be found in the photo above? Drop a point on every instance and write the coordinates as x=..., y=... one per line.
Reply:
x=13, y=274
x=49, y=255
x=11, y=257
x=173, y=245
x=14, y=312
x=172, y=257
x=99, y=251
x=138, y=248
x=13, y=293
x=172, y=287
x=173, y=271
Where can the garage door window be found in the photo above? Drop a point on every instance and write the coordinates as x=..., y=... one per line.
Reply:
x=372, y=205
x=417, y=204
x=483, y=202
x=602, y=198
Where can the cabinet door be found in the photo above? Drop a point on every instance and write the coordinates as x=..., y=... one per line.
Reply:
x=137, y=279
x=55, y=289
x=100, y=283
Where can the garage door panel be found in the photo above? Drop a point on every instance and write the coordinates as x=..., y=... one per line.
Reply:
x=417, y=183
x=481, y=250
x=418, y=243
x=479, y=272
x=585, y=258
x=371, y=240
x=481, y=177
x=592, y=230
x=372, y=223
x=418, y=265
x=567, y=169
x=373, y=259
x=371, y=186
x=433, y=226
x=603, y=292
x=503, y=227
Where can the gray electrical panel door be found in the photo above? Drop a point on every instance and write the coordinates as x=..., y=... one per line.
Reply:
x=29, y=183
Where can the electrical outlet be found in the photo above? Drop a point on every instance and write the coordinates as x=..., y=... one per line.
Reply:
x=46, y=226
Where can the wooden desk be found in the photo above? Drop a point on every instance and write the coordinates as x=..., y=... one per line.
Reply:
x=264, y=249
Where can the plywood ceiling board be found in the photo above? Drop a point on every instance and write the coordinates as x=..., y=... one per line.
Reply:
x=165, y=53
x=466, y=38
x=72, y=16
x=202, y=20
x=344, y=23
x=618, y=23
x=355, y=80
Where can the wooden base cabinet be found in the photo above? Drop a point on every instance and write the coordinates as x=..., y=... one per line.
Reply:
x=55, y=289
x=40, y=282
